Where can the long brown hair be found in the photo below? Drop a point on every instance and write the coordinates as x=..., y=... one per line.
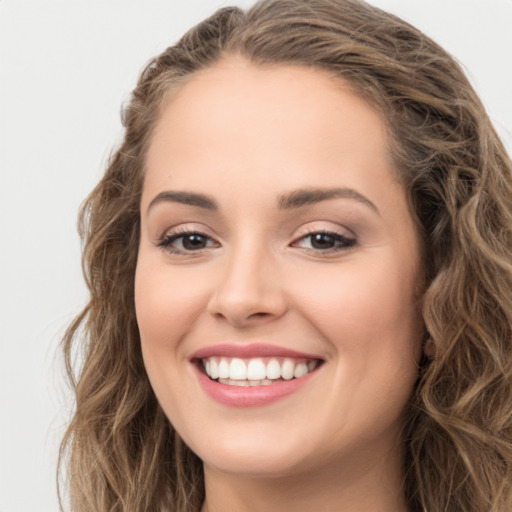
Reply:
x=122, y=454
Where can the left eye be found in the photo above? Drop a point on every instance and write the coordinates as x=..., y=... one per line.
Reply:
x=325, y=241
x=187, y=242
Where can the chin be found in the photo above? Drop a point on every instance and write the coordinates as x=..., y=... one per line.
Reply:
x=256, y=463
x=263, y=455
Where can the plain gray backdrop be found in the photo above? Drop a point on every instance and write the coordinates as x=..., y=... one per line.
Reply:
x=65, y=69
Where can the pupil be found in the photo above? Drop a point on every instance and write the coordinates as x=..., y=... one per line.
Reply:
x=194, y=241
x=322, y=241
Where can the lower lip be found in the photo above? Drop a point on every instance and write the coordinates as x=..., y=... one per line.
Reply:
x=251, y=396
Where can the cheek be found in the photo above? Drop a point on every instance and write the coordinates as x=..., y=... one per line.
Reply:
x=361, y=307
x=368, y=316
x=167, y=305
x=165, y=302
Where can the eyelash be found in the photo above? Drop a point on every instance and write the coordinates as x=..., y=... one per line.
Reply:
x=342, y=242
x=167, y=240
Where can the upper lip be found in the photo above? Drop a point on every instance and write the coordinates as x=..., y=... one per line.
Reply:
x=247, y=351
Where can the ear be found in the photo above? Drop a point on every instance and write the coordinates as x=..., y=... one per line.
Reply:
x=429, y=347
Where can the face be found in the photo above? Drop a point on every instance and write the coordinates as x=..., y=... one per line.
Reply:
x=279, y=256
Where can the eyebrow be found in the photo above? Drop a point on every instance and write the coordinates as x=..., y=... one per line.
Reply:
x=188, y=198
x=304, y=197
x=294, y=199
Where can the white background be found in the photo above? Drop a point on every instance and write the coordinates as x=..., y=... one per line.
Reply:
x=65, y=69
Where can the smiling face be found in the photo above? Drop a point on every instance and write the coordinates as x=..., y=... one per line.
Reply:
x=276, y=240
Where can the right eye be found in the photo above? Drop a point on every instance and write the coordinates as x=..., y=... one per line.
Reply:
x=326, y=242
x=187, y=242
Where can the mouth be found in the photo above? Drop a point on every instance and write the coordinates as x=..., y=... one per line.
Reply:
x=257, y=371
x=253, y=375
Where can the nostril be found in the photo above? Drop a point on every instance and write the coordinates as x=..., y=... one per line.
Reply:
x=250, y=303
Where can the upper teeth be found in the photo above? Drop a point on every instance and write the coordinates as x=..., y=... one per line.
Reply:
x=257, y=369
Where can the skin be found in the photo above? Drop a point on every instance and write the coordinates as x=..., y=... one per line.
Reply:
x=245, y=135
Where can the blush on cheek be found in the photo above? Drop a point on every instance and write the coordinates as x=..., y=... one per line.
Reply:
x=154, y=317
x=166, y=305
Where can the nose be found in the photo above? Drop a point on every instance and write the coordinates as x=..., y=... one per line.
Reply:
x=249, y=291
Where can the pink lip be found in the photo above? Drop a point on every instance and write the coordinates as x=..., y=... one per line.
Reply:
x=248, y=351
x=254, y=396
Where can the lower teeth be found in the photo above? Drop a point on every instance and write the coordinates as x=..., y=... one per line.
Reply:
x=248, y=383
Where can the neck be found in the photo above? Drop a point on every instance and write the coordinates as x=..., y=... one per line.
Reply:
x=334, y=487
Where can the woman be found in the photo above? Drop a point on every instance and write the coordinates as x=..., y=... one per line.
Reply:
x=299, y=262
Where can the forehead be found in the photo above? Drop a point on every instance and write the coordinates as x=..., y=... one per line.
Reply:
x=238, y=119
